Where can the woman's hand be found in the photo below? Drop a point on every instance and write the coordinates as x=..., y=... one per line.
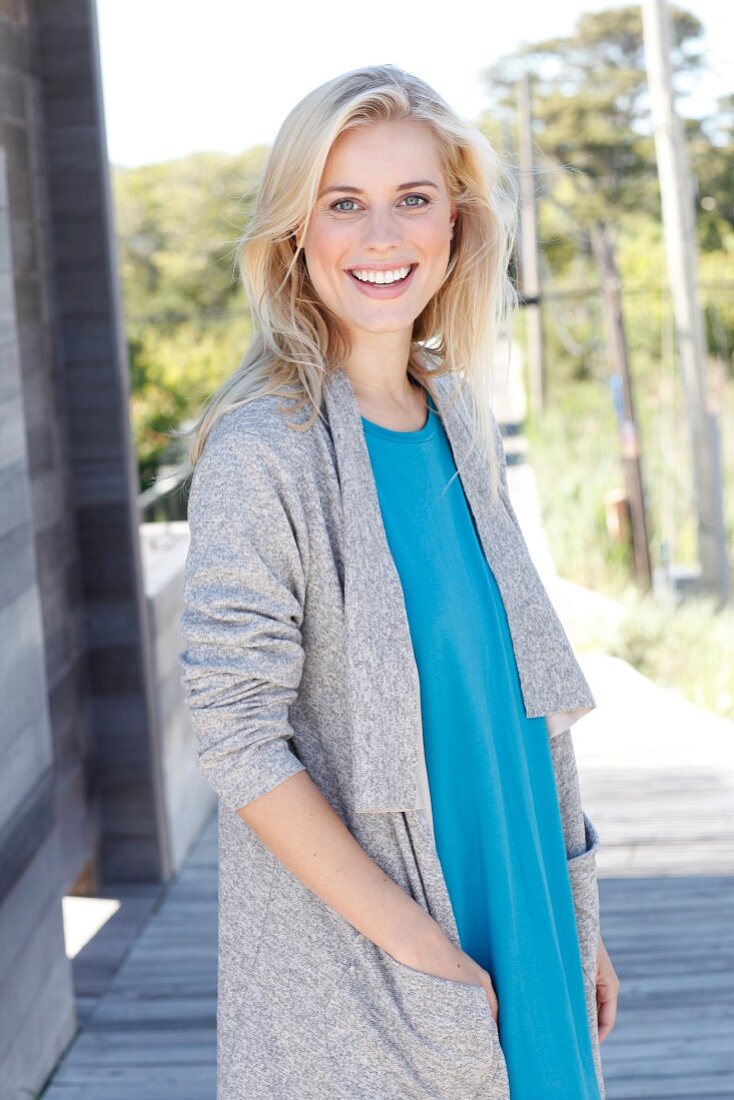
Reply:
x=607, y=991
x=443, y=960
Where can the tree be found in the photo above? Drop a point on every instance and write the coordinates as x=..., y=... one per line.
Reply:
x=591, y=116
x=186, y=315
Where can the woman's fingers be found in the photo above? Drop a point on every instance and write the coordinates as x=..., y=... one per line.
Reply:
x=607, y=992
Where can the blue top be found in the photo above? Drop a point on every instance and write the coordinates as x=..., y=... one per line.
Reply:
x=496, y=815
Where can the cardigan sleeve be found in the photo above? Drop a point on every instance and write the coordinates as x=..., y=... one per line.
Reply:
x=244, y=588
x=579, y=832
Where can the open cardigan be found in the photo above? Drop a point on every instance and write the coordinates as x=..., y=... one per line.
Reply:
x=297, y=654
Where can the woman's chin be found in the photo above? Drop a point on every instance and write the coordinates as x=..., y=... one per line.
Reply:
x=382, y=320
x=384, y=327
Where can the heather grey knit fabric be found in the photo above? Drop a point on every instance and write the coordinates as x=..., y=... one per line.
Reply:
x=298, y=655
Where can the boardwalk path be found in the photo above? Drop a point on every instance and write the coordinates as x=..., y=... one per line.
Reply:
x=151, y=1035
x=658, y=781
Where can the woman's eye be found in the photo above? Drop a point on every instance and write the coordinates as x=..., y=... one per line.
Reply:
x=339, y=205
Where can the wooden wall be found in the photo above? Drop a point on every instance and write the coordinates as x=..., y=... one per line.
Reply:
x=36, y=998
x=123, y=770
x=82, y=798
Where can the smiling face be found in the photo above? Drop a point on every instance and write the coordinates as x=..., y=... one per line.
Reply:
x=378, y=244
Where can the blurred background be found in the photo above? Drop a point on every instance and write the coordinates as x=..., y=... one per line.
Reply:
x=188, y=132
x=131, y=142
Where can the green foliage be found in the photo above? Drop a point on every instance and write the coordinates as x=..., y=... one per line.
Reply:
x=574, y=352
x=589, y=106
x=710, y=143
x=186, y=314
x=178, y=225
x=173, y=375
x=682, y=648
x=575, y=458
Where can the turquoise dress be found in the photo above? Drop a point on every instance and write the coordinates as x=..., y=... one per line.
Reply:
x=496, y=815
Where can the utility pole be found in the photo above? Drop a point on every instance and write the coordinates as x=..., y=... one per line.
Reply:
x=529, y=268
x=679, y=226
x=604, y=247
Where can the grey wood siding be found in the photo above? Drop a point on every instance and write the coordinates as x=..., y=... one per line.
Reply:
x=83, y=803
x=36, y=993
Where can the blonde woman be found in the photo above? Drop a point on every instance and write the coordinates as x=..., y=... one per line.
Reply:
x=381, y=690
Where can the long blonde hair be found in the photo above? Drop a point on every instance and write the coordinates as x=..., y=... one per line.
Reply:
x=297, y=339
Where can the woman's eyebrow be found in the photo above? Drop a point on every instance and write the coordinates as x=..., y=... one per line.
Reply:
x=358, y=191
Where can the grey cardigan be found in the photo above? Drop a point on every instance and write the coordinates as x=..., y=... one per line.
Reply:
x=298, y=655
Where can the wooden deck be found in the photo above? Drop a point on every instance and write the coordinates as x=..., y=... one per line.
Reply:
x=658, y=777
x=151, y=1033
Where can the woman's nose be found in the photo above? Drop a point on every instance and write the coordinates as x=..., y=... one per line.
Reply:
x=381, y=228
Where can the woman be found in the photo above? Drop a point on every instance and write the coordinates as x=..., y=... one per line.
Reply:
x=381, y=690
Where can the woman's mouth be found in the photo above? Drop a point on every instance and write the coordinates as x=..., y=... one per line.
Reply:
x=394, y=281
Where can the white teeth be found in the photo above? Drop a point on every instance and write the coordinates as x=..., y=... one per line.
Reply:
x=382, y=276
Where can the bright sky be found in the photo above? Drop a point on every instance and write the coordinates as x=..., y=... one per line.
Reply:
x=184, y=76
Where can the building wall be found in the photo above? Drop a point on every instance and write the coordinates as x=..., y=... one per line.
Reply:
x=36, y=997
x=82, y=801
x=121, y=785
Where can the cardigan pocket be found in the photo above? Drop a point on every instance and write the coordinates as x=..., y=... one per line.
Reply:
x=396, y=1033
x=479, y=1034
x=582, y=869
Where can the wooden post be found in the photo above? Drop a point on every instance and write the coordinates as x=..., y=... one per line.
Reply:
x=528, y=254
x=604, y=251
x=682, y=253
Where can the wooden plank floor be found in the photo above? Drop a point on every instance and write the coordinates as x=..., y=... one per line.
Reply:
x=151, y=1035
x=658, y=781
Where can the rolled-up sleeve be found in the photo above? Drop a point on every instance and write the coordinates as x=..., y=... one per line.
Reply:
x=244, y=592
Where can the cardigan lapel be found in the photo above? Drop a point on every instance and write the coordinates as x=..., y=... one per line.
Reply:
x=551, y=680
x=384, y=686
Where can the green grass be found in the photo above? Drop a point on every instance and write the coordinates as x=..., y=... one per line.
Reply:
x=575, y=457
